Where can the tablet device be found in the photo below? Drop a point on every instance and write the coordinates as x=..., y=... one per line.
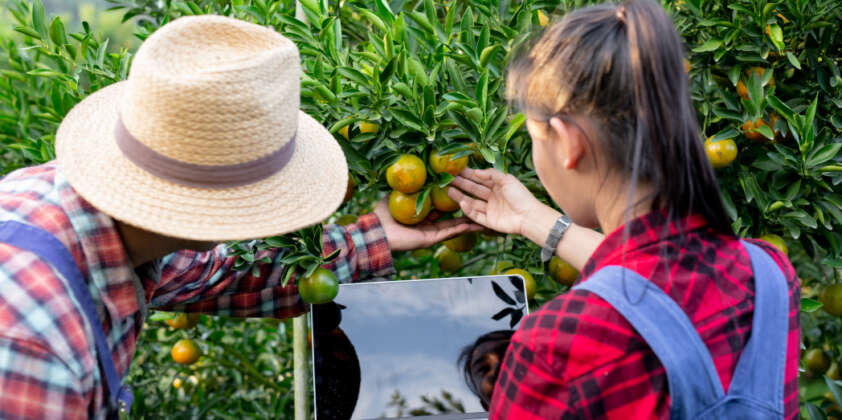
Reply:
x=392, y=349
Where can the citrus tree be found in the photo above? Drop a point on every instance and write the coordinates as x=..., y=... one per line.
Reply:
x=413, y=91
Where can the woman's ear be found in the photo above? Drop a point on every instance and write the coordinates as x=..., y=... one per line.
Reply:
x=570, y=142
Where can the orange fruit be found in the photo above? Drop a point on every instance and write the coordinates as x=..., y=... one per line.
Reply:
x=721, y=153
x=562, y=272
x=367, y=127
x=742, y=90
x=407, y=175
x=687, y=66
x=320, y=287
x=346, y=132
x=816, y=361
x=462, y=243
x=500, y=267
x=543, y=20
x=446, y=163
x=776, y=242
x=176, y=383
x=346, y=219
x=185, y=352
x=402, y=208
x=831, y=299
x=749, y=129
x=449, y=261
x=185, y=321
x=442, y=201
x=528, y=280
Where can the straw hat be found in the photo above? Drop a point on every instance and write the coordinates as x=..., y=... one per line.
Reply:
x=205, y=140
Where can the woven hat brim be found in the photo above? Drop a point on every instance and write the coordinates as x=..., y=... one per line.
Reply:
x=305, y=192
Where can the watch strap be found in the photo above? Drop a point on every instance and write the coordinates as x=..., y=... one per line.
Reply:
x=561, y=225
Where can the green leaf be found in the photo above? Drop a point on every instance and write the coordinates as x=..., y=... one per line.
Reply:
x=766, y=131
x=487, y=54
x=734, y=74
x=726, y=133
x=815, y=412
x=28, y=32
x=39, y=19
x=777, y=36
x=422, y=198
x=474, y=114
x=354, y=75
x=57, y=33
x=835, y=390
x=384, y=11
x=373, y=19
x=810, y=305
x=793, y=60
x=823, y=154
x=514, y=125
x=708, y=46
x=444, y=179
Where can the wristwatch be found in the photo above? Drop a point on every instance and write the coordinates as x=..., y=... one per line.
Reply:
x=560, y=226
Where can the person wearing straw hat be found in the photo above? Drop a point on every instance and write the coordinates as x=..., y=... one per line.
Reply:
x=203, y=143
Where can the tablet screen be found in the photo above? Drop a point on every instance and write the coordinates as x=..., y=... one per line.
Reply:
x=392, y=349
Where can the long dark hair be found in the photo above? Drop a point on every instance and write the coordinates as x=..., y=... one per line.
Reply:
x=620, y=68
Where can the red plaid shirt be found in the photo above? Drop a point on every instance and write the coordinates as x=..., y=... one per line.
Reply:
x=48, y=368
x=577, y=357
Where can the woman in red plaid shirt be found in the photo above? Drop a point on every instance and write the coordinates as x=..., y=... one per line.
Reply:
x=616, y=143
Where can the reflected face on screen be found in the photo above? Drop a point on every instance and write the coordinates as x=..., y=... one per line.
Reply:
x=481, y=361
x=408, y=338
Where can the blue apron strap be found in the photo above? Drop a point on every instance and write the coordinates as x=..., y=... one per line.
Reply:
x=760, y=370
x=52, y=251
x=693, y=381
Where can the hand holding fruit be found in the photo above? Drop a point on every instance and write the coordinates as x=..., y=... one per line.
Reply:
x=404, y=238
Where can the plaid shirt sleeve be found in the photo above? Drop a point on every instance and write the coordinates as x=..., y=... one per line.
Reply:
x=206, y=282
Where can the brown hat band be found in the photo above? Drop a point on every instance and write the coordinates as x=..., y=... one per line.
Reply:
x=201, y=176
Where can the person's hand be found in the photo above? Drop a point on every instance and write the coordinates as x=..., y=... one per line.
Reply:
x=494, y=199
x=424, y=235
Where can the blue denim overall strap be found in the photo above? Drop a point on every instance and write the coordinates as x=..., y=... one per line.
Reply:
x=52, y=251
x=694, y=385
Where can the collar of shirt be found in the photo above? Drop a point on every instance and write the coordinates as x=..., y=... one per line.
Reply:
x=104, y=261
x=636, y=236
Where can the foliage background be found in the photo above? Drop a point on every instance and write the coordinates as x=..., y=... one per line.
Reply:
x=430, y=74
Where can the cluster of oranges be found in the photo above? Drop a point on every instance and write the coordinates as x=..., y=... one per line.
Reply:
x=408, y=175
x=723, y=152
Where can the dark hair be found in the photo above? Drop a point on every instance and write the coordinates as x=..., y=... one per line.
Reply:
x=495, y=342
x=620, y=68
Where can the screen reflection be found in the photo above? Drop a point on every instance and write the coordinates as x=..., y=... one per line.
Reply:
x=412, y=348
